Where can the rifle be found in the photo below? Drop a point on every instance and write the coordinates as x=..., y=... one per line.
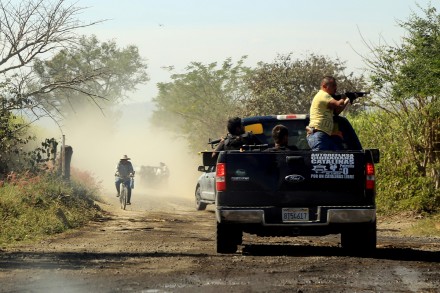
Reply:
x=214, y=142
x=246, y=136
x=350, y=95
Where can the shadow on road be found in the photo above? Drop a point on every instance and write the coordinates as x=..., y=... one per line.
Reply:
x=401, y=254
x=78, y=260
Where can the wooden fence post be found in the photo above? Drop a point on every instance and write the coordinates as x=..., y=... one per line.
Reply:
x=66, y=158
x=68, y=152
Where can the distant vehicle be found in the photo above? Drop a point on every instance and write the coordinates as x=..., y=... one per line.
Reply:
x=154, y=176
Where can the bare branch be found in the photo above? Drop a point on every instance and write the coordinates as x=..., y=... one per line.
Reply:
x=34, y=28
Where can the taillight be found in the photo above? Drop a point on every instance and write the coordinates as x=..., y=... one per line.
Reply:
x=369, y=176
x=220, y=177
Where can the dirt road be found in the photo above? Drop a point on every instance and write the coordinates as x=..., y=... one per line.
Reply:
x=161, y=244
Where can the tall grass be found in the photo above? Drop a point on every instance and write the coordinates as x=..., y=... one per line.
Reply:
x=400, y=187
x=35, y=206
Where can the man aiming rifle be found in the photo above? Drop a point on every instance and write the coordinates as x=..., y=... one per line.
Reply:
x=325, y=105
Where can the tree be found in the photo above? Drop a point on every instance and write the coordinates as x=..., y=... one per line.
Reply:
x=118, y=71
x=29, y=29
x=406, y=80
x=198, y=103
x=288, y=85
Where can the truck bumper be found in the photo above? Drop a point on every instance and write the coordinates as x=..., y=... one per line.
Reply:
x=334, y=215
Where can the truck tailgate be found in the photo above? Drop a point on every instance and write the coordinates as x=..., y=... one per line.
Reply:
x=295, y=178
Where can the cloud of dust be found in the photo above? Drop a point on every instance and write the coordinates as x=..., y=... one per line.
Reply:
x=98, y=144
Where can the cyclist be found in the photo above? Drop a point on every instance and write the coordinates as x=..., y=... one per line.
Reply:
x=124, y=172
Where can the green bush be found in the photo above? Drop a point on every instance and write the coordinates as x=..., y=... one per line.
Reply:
x=400, y=185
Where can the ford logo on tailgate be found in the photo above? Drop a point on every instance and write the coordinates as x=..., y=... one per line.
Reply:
x=294, y=178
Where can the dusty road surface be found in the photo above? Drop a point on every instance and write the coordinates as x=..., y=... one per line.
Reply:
x=161, y=244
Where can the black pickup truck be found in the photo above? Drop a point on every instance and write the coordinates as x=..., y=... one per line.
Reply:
x=295, y=192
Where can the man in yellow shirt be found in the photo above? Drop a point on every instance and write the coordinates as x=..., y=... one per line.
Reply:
x=323, y=107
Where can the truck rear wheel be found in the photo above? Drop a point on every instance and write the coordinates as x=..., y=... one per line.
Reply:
x=360, y=238
x=228, y=238
x=200, y=206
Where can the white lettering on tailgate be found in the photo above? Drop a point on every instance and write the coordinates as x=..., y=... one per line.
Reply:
x=332, y=166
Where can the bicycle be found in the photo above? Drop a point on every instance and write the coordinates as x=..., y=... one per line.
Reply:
x=123, y=197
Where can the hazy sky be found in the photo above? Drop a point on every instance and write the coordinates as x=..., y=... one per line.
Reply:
x=177, y=32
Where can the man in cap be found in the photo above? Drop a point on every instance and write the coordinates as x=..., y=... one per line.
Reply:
x=124, y=172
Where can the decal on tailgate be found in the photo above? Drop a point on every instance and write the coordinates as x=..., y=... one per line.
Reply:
x=332, y=166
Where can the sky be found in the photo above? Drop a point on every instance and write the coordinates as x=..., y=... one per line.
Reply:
x=176, y=33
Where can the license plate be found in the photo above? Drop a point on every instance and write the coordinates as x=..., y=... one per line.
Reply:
x=295, y=214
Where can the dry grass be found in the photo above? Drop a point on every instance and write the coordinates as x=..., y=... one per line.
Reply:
x=409, y=223
x=33, y=206
x=426, y=226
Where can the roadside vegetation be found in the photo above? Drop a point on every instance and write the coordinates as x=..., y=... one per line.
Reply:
x=48, y=70
x=35, y=206
x=401, y=186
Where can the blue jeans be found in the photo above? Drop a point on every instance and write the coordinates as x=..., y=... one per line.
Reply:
x=118, y=182
x=321, y=141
